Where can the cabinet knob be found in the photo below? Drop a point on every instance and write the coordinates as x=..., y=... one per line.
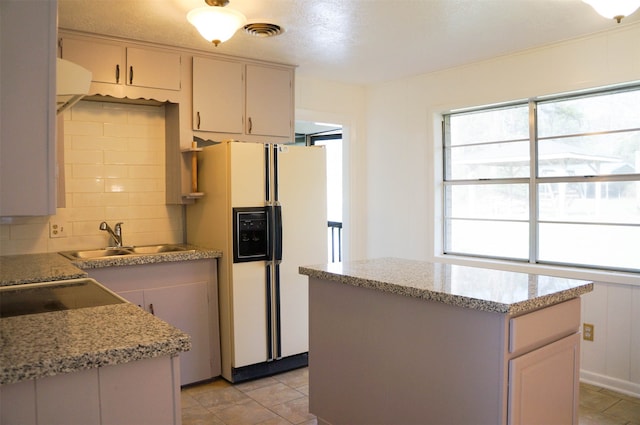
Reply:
x=117, y=73
x=250, y=125
x=151, y=309
x=198, y=118
x=131, y=74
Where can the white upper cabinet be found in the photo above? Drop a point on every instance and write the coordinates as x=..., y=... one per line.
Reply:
x=269, y=101
x=232, y=98
x=153, y=69
x=106, y=61
x=117, y=63
x=218, y=91
x=27, y=108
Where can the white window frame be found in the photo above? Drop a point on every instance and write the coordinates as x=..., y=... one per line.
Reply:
x=533, y=181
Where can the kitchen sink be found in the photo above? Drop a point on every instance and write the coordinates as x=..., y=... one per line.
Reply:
x=93, y=254
x=33, y=298
x=157, y=249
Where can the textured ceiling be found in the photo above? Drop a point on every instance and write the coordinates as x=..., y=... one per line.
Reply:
x=354, y=41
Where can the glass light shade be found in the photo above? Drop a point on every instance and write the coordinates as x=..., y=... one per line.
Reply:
x=614, y=8
x=216, y=24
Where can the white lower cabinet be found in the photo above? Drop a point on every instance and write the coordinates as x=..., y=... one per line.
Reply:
x=162, y=302
x=183, y=294
x=143, y=392
x=543, y=384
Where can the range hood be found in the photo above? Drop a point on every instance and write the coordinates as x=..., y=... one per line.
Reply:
x=72, y=84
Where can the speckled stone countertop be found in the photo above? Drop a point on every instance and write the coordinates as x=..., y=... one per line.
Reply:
x=32, y=268
x=191, y=253
x=38, y=345
x=469, y=287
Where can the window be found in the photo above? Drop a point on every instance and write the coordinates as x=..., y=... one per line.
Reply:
x=552, y=181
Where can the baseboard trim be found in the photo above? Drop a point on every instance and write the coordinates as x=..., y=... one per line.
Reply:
x=614, y=384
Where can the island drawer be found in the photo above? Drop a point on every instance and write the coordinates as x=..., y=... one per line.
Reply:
x=541, y=327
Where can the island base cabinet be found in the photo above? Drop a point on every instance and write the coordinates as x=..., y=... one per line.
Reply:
x=532, y=400
x=382, y=358
x=140, y=392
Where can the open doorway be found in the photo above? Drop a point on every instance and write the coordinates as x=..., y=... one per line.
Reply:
x=329, y=136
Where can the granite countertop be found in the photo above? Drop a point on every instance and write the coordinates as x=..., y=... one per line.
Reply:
x=38, y=345
x=32, y=268
x=469, y=287
x=191, y=253
x=46, y=344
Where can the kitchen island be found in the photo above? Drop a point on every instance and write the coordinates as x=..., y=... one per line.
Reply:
x=412, y=342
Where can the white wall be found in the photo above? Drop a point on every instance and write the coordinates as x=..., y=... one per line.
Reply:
x=324, y=101
x=403, y=169
x=114, y=171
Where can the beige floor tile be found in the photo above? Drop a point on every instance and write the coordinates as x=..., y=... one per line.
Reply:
x=625, y=410
x=249, y=413
x=255, y=384
x=592, y=417
x=220, y=398
x=198, y=415
x=295, y=378
x=274, y=394
x=284, y=400
x=596, y=400
x=295, y=411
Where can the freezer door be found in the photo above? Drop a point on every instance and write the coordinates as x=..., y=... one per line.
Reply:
x=247, y=174
x=250, y=337
x=303, y=197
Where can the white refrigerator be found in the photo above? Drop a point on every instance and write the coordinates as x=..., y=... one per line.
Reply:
x=265, y=207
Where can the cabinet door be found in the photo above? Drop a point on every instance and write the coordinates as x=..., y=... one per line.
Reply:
x=217, y=96
x=27, y=107
x=134, y=297
x=153, y=68
x=104, y=60
x=269, y=105
x=187, y=308
x=543, y=384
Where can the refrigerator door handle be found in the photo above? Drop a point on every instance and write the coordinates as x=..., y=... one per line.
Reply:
x=277, y=324
x=275, y=173
x=267, y=174
x=277, y=236
x=269, y=294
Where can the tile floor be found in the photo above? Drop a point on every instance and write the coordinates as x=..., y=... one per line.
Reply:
x=283, y=400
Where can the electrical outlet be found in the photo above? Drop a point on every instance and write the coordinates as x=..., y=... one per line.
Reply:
x=587, y=332
x=57, y=229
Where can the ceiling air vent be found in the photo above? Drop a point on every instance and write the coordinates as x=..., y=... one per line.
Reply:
x=263, y=29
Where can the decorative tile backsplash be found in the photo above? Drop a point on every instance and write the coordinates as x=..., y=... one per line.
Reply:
x=114, y=156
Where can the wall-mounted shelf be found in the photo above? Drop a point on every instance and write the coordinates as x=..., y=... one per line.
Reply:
x=193, y=152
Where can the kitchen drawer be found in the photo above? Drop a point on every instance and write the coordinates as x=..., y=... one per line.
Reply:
x=541, y=327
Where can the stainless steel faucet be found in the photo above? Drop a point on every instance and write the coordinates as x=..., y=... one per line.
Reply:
x=115, y=234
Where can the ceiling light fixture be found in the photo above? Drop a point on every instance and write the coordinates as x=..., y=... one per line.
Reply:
x=216, y=23
x=614, y=9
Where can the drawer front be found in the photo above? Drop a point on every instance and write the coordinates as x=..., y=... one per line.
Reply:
x=541, y=327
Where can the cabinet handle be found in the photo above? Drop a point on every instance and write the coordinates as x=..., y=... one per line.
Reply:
x=117, y=73
x=131, y=74
x=151, y=309
x=198, y=115
x=250, y=125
